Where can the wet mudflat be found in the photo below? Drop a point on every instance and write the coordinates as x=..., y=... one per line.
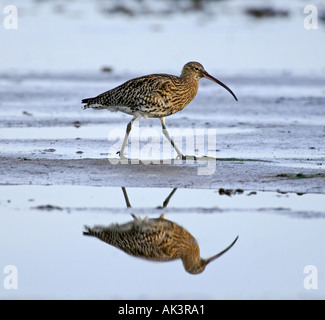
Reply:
x=255, y=168
x=272, y=139
x=259, y=175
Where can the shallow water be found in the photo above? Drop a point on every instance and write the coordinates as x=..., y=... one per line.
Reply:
x=279, y=235
x=89, y=132
x=55, y=177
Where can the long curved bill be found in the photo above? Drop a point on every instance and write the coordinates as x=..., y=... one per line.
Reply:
x=206, y=75
x=221, y=253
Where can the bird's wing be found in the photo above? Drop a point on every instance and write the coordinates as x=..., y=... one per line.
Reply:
x=138, y=91
x=145, y=90
x=164, y=88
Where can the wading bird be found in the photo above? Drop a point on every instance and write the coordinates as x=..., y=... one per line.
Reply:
x=154, y=96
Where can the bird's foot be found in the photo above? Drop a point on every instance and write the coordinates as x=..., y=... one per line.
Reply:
x=182, y=157
x=122, y=156
x=137, y=218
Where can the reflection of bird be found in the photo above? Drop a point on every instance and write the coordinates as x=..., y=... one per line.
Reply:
x=155, y=239
x=154, y=96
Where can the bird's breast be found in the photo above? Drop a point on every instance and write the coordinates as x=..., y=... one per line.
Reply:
x=180, y=99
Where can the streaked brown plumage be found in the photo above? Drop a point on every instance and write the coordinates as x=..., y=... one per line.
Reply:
x=154, y=96
x=156, y=239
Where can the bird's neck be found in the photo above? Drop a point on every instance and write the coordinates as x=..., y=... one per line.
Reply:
x=188, y=79
x=193, y=265
x=191, y=255
x=190, y=85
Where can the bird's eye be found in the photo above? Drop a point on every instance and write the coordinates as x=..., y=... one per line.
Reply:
x=196, y=68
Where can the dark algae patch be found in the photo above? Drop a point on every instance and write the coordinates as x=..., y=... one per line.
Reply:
x=300, y=175
x=48, y=207
x=230, y=159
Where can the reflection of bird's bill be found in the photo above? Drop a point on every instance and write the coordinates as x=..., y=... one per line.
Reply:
x=206, y=75
x=221, y=253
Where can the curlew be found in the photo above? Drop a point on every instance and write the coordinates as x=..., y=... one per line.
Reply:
x=155, y=239
x=154, y=96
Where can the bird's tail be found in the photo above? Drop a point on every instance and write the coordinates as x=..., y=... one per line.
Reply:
x=88, y=231
x=94, y=103
x=88, y=101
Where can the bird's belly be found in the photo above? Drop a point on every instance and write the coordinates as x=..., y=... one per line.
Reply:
x=158, y=110
x=124, y=109
x=147, y=111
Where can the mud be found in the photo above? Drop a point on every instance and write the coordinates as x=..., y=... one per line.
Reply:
x=254, y=169
x=271, y=141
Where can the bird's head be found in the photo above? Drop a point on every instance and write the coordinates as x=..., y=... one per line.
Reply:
x=199, y=266
x=196, y=70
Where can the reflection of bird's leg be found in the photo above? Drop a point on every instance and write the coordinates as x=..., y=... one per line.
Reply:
x=128, y=204
x=165, y=203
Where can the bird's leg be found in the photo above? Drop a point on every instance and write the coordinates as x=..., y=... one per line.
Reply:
x=165, y=132
x=125, y=141
x=168, y=198
x=127, y=201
